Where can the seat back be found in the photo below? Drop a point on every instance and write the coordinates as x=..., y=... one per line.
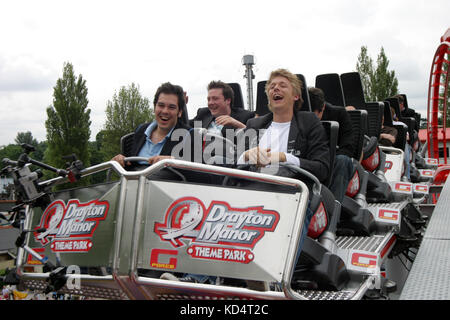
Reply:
x=262, y=102
x=331, y=86
x=353, y=90
x=323, y=216
x=375, y=112
x=400, y=141
x=126, y=144
x=306, y=106
x=411, y=123
x=359, y=125
x=387, y=113
x=238, y=98
x=332, y=130
x=395, y=104
x=411, y=113
x=261, y=99
x=354, y=96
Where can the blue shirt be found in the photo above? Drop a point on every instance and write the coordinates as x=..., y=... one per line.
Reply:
x=150, y=149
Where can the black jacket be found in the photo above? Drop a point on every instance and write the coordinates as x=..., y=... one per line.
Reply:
x=139, y=141
x=345, y=137
x=205, y=116
x=307, y=140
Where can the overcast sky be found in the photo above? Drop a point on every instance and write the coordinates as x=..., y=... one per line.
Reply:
x=114, y=43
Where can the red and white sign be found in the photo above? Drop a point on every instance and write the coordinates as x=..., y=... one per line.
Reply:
x=421, y=188
x=387, y=165
x=163, y=259
x=426, y=173
x=403, y=187
x=71, y=245
x=69, y=228
x=353, y=186
x=318, y=222
x=223, y=254
x=388, y=214
x=364, y=260
x=219, y=232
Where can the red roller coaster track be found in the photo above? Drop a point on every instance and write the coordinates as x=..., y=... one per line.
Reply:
x=438, y=94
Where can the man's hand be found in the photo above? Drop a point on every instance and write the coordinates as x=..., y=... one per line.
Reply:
x=263, y=157
x=155, y=159
x=120, y=159
x=229, y=121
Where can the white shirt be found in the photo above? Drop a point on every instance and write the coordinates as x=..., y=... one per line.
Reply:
x=215, y=128
x=276, y=138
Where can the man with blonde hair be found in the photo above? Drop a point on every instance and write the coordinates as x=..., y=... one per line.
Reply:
x=291, y=136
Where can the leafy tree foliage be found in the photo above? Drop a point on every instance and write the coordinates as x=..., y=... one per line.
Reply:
x=68, y=120
x=124, y=113
x=11, y=151
x=378, y=81
x=25, y=137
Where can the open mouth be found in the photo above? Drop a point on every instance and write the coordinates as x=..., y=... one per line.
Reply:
x=277, y=97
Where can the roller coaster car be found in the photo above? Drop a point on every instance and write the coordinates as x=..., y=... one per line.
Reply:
x=114, y=240
x=120, y=237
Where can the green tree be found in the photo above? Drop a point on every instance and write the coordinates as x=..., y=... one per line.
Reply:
x=127, y=109
x=68, y=120
x=25, y=137
x=364, y=66
x=378, y=81
x=11, y=151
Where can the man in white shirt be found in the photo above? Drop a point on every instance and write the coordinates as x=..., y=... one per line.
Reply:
x=291, y=136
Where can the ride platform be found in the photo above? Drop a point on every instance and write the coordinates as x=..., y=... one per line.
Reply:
x=428, y=278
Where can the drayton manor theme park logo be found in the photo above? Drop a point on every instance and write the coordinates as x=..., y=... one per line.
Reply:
x=70, y=227
x=187, y=218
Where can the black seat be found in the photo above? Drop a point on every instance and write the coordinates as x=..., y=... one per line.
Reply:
x=331, y=86
x=409, y=112
x=238, y=98
x=318, y=267
x=353, y=90
x=354, y=95
x=359, y=125
x=400, y=141
x=306, y=106
x=126, y=144
x=387, y=113
x=355, y=218
x=411, y=123
x=375, y=112
x=332, y=130
x=261, y=99
x=262, y=102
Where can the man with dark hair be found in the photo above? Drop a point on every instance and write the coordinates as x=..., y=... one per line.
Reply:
x=343, y=166
x=220, y=114
x=154, y=140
